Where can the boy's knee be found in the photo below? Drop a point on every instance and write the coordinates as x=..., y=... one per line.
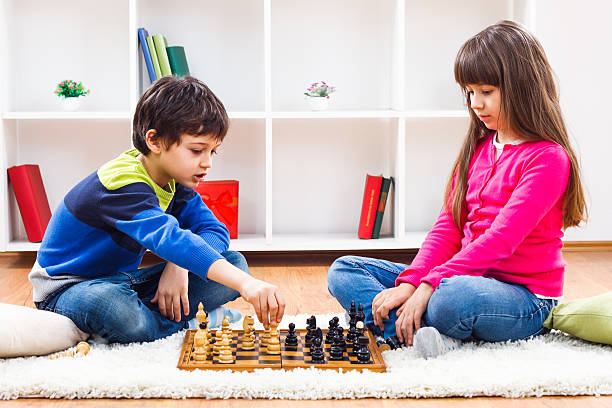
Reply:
x=236, y=259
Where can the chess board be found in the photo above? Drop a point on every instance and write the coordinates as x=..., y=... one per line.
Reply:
x=290, y=357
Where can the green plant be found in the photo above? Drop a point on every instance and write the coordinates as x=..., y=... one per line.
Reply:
x=70, y=89
x=321, y=90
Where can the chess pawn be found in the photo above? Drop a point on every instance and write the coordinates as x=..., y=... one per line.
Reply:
x=225, y=353
x=363, y=353
x=265, y=338
x=274, y=342
x=248, y=339
x=199, y=345
x=291, y=340
x=218, y=339
x=225, y=325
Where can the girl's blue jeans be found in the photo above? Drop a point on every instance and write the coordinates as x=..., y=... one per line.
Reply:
x=119, y=308
x=461, y=306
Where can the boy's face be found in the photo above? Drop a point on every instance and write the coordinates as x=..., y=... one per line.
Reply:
x=189, y=161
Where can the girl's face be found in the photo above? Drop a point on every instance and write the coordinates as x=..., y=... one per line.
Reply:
x=485, y=101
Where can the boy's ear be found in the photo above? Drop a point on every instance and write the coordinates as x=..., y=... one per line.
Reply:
x=154, y=143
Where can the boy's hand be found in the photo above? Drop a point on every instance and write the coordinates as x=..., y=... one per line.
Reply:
x=171, y=291
x=266, y=299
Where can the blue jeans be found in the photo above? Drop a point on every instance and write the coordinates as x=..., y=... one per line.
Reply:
x=119, y=307
x=460, y=307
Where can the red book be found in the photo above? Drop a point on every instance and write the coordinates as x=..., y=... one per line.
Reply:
x=221, y=197
x=31, y=199
x=371, y=194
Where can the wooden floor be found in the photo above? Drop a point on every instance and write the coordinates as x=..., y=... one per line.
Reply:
x=302, y=281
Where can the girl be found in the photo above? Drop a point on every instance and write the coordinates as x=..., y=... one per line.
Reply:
x=491, y=268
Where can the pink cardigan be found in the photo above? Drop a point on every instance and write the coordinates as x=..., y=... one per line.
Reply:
x=514, y=219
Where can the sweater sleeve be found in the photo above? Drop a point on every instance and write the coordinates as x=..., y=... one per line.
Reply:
x=541, y=185
x=134, y=210
x=194, y=215
x=441, y=243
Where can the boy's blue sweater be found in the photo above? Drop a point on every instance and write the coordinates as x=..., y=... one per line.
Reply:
x=107, y=221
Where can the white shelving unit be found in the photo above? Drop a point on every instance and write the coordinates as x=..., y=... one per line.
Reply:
x=397, y=111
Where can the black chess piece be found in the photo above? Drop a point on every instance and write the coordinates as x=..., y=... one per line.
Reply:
x=352, y=311
x=339, y=339
x=352, y=335
x=316, y=351
x=393, y=342
x=291, y=340
x=336, y=353
x=360, y=313
x=331, y=332
x=363, y=352
x=311, y=328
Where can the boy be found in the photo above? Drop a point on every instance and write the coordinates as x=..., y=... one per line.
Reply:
x=86, y=268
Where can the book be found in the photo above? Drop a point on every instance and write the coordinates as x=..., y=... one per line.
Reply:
x=153, y=52
x=31, y=199
x=382, y=203
x=142, y=37
x=178, y=60
x=162, y=56
x=371, y=193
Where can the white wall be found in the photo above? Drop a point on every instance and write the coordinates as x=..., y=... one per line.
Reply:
x=577, y=39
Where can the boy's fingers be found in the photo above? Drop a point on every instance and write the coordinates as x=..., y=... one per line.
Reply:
x=281, y=307
x=263, y=303
x=257, y=307
x=176, y=308
x=185, y=300
x=272, y=307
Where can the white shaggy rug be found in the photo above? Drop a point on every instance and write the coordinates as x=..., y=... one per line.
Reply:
x=554, y=364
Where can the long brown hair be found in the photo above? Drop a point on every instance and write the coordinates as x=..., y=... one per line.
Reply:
x=507, y=56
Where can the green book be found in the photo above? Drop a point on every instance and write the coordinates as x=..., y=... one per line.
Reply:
x=154, y=57
x=382, y=203
x=162, y=56
x=178, y=60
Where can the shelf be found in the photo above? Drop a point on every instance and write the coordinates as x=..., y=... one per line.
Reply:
x=66, y=115
x=435, y=114
x=341, y=242
x=22, y=246
x=336, y=114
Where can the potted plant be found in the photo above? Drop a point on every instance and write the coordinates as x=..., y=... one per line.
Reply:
x=317, y=95
x=71, y=94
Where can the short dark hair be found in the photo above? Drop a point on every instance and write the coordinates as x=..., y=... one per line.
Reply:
x=177, y=105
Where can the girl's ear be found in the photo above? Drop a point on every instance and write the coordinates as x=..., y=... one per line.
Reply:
x=153, y=142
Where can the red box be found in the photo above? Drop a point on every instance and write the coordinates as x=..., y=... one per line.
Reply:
x=221, y=197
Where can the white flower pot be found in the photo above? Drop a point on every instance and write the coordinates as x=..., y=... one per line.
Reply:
x=71, y=104
x=317, y=103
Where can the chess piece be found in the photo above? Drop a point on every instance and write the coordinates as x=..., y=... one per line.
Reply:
x=201, y=314
x=352, y=334
x=82, y=349
x=225, y=325
x=225, y=353
x=200, y=343
x=339, y=340
x=360, y=313
x=393, y=342
x=359, y=326
x=248, y=337
x=316, y=351
x=363, y=352
x=352, y=312
x=218, y=339
x=331, y=331
x=291, y=340
x=274, y=342
x=336, y=352
x=265, y=338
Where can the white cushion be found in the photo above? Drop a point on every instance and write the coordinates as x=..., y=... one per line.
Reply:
x=25, y=331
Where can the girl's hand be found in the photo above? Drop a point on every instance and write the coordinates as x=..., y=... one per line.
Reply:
x=410, y=313
x=171, y=291
x=265, y=298
x=389, y=299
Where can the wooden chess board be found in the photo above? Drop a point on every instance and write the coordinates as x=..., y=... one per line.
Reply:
x=290, y=357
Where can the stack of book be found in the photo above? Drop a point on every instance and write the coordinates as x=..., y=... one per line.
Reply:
x=375, y=196
x=160, y=59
